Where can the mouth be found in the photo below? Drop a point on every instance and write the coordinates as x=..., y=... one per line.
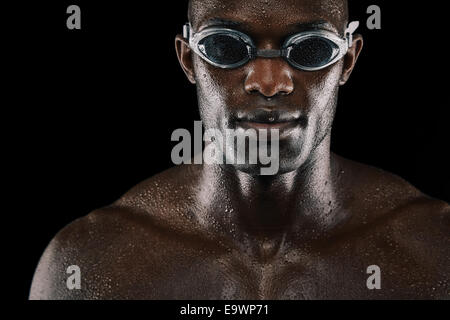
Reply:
x=268, y=125
x=269, y=119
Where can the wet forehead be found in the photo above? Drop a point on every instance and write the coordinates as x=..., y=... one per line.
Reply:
x=269, y=14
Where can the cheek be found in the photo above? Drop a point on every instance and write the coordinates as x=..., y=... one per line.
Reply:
x=320, y=94
x=216, y=89
x=321, y=89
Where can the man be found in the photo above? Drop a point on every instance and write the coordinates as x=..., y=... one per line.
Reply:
x=312, y=231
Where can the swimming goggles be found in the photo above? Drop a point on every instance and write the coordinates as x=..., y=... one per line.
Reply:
x=309, y=51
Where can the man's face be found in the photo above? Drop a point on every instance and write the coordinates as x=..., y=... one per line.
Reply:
x=264, y=87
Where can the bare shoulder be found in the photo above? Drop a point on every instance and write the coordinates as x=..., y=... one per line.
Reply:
x=111, y=245
x=401, y=225
x=169, y=197
x=378, y=194
x=72, y=246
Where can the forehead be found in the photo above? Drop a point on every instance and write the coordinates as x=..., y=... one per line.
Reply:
x=268, y=15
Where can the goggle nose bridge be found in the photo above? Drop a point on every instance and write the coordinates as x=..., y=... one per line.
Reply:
x=267, y=53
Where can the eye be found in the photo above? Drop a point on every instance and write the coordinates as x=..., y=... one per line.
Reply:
x=313, y=52
x=223, y=48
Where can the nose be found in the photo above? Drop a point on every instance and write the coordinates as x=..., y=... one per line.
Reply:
x=269, y=77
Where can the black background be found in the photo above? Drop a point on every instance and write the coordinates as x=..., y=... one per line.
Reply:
x=92, y=110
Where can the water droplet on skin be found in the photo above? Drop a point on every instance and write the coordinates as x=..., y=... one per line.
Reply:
x=267, y=246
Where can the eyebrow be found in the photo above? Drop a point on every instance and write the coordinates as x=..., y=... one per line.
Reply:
x=315, y=25
x=220, y=22
x=302, y=26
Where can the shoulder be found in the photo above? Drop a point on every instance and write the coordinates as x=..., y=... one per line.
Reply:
x=86, y=244
x=382, y=191
x=402, y=225
x=376, y=194
x=126, y=235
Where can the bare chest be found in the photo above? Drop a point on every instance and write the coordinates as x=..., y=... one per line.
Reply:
x=188, y=275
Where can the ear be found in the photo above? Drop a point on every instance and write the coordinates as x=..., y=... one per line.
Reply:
x=351, y=57
x=184, y=54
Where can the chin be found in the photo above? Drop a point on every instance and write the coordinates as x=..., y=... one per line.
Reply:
x=285, y=166
x=288, y=159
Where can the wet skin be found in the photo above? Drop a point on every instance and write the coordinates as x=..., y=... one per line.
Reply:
x=223, y=232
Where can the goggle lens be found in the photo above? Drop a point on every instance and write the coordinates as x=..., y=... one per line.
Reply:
x=313, y=52
x=224, y=49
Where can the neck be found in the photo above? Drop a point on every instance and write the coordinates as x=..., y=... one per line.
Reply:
x=303, y=201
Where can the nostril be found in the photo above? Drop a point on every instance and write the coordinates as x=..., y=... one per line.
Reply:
x=268, y=93
x=287, y=91
x=268, y=82
x=252, y=87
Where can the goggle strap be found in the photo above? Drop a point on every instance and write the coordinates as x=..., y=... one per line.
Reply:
x=352, y=26
x=186, y=31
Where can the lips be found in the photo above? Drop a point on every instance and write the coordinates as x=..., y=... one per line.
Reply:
x=268, y=118
x=268, y=126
